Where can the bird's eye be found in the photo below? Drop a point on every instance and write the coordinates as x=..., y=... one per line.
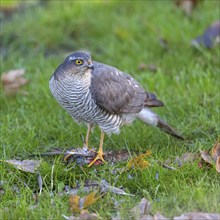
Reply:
x=79, y=62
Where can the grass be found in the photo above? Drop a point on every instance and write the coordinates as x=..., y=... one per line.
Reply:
x=122, y=34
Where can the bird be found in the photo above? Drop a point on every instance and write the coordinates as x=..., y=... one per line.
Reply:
x=98, y=94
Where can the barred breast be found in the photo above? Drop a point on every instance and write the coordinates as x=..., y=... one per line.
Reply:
x=75, y=97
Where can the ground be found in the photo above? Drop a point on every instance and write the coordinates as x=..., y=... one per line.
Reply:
x=130, y=36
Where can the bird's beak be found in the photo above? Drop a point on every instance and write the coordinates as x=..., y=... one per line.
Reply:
x=90, y=65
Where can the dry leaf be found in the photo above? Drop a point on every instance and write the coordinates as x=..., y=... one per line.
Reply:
x=216, y=151
x=84, y=215
x=217, y=165
x=210, y=37
x=77, y=204
x=90, y=199
x=216, y=156
x=214, y=159
x=139, y=161
x=158, y=216
x=206, y=157
x=13, y=80
x=198, y=216
x=74, y=203
x=143, y=208
x=145, y=217
x=24, y=165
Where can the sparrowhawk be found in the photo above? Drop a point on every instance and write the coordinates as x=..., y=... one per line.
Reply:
x=97, y=94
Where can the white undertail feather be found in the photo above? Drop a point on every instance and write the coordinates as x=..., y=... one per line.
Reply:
x=151, y=118
x=148, y=117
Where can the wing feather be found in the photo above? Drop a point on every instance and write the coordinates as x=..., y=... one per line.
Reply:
x=115, y=91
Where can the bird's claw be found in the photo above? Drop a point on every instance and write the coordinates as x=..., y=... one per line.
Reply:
x=99, y=156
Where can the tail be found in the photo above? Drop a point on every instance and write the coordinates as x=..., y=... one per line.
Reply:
x=149, y=117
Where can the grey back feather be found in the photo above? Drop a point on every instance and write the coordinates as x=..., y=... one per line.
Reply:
x=115, y=91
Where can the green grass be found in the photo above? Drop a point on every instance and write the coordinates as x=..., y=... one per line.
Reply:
x=123, y=35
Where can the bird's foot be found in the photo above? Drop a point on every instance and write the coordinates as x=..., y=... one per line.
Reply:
x=99, y=156
x=68, y=155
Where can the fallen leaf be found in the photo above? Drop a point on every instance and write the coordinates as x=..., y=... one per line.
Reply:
x=187, y=6
x=145, y=217
x=139, y=161
x=142, y=212
x=158, y=216
x=77, y=204
x=74, y=203
x=90, y=199
x=213, y=159
x=206, y=157
x=210, y=37
x=12, y=81
x=84, y=215
x=141, y=209
x=30, y=166
x=198, y=215
x=216, y=151
x=217, y=165
x=216, y=156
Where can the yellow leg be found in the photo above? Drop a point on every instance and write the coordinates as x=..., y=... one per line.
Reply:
x=87, y=141
x=100, y=153
x=88, y=134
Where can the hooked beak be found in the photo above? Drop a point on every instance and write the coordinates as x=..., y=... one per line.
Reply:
x=90, y=65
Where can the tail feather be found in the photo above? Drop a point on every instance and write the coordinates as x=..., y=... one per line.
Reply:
x=169, y=130
x=151, y=118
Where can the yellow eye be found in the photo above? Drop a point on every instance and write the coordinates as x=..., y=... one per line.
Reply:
x=79, y=62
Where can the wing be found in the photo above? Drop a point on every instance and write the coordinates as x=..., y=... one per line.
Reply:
x=118, y=92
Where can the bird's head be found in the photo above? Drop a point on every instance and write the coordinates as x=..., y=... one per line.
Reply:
x=77, y=63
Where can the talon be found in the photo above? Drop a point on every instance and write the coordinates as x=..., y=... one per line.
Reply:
x=67, y=156
x=100, y=153
x=99, y=156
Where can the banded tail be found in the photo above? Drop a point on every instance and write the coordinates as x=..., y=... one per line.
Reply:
x=151, y=118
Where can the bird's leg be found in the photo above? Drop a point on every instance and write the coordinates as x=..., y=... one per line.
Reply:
x=88, y=134
x=87, y=141
x=100, y=153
